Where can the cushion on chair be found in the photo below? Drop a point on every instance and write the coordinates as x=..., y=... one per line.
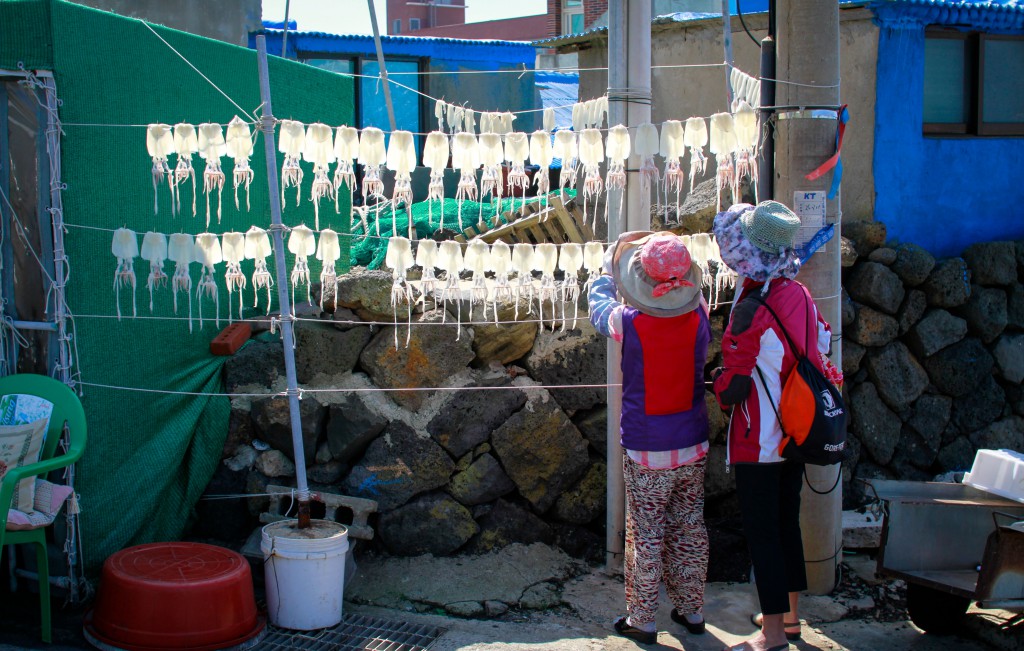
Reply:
x=49, y=498
x=20, y=446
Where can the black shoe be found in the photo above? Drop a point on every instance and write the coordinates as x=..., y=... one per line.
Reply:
x=693, y=629
x=623, y=628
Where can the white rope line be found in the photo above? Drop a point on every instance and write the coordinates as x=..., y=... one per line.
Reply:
x=198, y=71
x=302, y=391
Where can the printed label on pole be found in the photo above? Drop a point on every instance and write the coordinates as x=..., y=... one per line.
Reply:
x=809, y=206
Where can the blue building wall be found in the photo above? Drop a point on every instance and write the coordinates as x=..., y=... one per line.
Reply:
x=942, y=193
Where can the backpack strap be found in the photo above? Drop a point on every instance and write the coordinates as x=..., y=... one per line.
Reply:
x=770, y=401
x=775, y=316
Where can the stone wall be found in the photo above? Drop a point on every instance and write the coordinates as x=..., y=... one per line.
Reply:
x=933, y=353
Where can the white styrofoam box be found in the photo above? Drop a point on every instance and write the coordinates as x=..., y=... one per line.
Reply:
x=1000, y=472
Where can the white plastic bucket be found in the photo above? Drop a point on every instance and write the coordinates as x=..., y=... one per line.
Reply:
x=305, y=573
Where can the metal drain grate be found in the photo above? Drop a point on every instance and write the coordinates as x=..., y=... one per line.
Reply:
x=354, y=633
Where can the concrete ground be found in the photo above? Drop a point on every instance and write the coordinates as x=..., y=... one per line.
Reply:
x=583, y=603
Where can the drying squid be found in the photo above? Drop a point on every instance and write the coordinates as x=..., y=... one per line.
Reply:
x=723, y=145
x=449, y=260
x=181, y=251
x=522, y=263
x=401, y=159
x=125, y=248
x=745, y=125
x=186, y=143
x=591, y=152
x=460, y=119
x=399, y=258
x=724, y=276
x=541, y=156
x=618, y=152
x=208, y=253
x=257, y=248
x=160, y=145
x=475, y=262
x=647, y=148
x=593, y=262
x=426, y=258
x=579, y=119
x=567, y=150
x=439, y=111
x=570, y=261
x=465, y=158
x=233, y=249
x=372, y=156
x=211, y=148
x=328, y=251
x=319, y=150
x=435, y=157
x=517, y=150
x=346, y=150
x=601, y=111
x=301, y=243
x=696, y=138
x=154, y=251
x=702, y=253
x=470, y=118
x=500, y=262
x=292, y=142
x=239, y=148
x=491, y=156
x=673, y=148
x=450, y=115
x=545, y=260
x=549, y=120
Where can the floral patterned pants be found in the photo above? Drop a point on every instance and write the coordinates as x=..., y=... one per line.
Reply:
x=665, y=538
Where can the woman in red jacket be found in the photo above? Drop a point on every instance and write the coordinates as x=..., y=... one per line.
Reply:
x=757, y=243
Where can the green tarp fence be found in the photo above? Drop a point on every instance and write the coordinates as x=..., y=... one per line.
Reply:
x=151, y=455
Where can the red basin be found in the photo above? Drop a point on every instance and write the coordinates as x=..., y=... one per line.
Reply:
x=177, y=595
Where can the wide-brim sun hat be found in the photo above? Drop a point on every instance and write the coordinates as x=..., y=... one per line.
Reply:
x=638, y=289
x=772, y=254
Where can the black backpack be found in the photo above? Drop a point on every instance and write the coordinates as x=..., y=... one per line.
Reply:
x=814, y=428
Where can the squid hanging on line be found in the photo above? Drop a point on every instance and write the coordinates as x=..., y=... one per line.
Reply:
x=522, y=263
x=125, y=248
x=647, y=148
x=723, y=145
x=401, y=159
x=570, y=261
x=541, y=156
x=257, y=248
x=567, y=150
x=186, y=142
x=618, y=151
x=449, y=260
x=673, y=148
x=292, y=142
x=211, y=147
x=465, y=158
x=517, y=150
x=154, y=251
x=160, y=145
x=328, y=251
x=579, y=120
x=239, y=146
x=591, y=152
x=233, y=249
x=372, y=156
x=319, y=150
x=439, y=111
x=545, y=260
x=208, y=253
x=301, y=243
x=500, y=262
x=181, y=251
x=399, y=258
x=724, y=276
x=435, y=157
x=426, y=259
x=346, y=150
x=745, y=125
x=475, y=262
x=549, y=120
x=701, y=254
x=593, y=262
x=696, y=138
x=492, y=154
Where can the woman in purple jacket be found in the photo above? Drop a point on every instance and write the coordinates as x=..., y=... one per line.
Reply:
x=662, y=324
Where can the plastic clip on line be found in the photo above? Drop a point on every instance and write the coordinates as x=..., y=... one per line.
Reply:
x=834, y=161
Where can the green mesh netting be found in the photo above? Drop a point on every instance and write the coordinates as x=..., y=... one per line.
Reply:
x=150, y=455
x=427, y=218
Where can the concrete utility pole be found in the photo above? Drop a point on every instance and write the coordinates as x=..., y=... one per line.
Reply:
x=629, y=103
x=808, y=55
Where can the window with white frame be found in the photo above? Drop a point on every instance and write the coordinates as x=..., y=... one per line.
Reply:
x=572, y=16
x=414, y=24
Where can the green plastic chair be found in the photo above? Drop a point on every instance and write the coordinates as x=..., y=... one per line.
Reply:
x=66, y=409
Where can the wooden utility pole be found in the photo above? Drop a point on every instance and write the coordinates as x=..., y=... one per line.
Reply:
x=807, y=95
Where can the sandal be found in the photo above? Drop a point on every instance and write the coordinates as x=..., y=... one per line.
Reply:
x=694, y=629
x=623, y=628
x=792, y=629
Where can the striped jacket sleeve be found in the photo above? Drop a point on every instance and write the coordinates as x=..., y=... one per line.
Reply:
x=605, y=310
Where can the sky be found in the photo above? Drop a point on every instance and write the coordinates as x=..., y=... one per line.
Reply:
x=353, y=16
